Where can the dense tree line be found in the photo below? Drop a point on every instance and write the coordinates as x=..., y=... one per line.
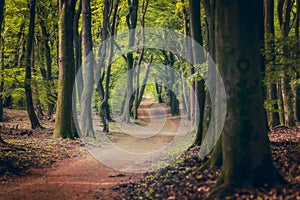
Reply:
x=255, y=45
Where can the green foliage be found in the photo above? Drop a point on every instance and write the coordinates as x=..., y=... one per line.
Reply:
x=14, y=33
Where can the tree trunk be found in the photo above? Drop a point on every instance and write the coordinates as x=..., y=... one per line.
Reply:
x=78, y=51
x=47, y=75
x=209, y=7
x=247, y=159
x=284, y=14
x=170, y=86
x=104, y=107
x=38, y=107
x=186, y=31
x=198, y=57
x=28, y=91
x=297, y=53
x=2, y=4
x=185, y=95
x=158, y=88
x=280, y=103
x=287, y=96
x=143, y=87
x=273, y=117
x=88, y=75
x=64, y=127
x=140, y=92
x=131, y=20
x=101, y=63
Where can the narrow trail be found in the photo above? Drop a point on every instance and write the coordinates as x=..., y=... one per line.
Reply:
x=85, y=177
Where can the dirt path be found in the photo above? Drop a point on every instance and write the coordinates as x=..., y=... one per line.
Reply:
x=86, y=177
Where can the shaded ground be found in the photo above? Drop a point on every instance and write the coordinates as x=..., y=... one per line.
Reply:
x=183, y=180
x=81, y=178
x=33, y=165
x=36, y=166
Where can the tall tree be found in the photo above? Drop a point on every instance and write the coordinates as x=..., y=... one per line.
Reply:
x=2, y=3
x=29, y=50
x=102, y=54
x=273, y=117
x=284, y=11
x=216, y=154
x=140, y=91
x=209, y=8
x=64, y=127
x=131, y=20
x=47, y=73
x=297, y=54
x=104, y=107
x=198, y=57
x=247, y=159
x=186, y=32
x=78, y=51
x=89, y=62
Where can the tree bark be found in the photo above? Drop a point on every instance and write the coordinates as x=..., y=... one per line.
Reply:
x=247, y=159
x=158, y=89
x=101, y=63
x=64, y=126
x=185, y=100
x=198, y=57
x=2, y=6
x=280, y=103
x=284, y=10
x=47, y=75
x=88, y=75
x=273, y=117
x=209, y=7
x=170, y=85
x=139, y=92
x=38, y=107
x=143, y=87
x=297, y=53
x=131, y=20
x=186, y=32
x=28, y=91
x=78, y=51
x=104, y=107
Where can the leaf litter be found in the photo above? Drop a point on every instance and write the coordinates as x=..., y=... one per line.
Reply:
x=182, y=180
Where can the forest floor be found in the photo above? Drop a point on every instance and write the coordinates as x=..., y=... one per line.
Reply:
x=33, y=165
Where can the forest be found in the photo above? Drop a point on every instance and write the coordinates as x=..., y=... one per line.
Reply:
x=144, y=99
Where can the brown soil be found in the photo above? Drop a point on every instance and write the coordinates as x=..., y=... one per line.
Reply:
x=82, y=178
x=79, y=177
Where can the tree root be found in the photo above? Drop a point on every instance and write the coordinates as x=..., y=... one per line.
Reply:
x=221, y=191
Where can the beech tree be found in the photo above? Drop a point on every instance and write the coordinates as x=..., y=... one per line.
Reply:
x=247, y=159
x=47, y=71
x=140, y=89
x=273, y=117
x=28, y=61
x=78, y=50
x=104, y=107
x=89, y=62
x=2, y=5
x=131, y=20
x=64, y=126
x=198, y=57
x=284, y=17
